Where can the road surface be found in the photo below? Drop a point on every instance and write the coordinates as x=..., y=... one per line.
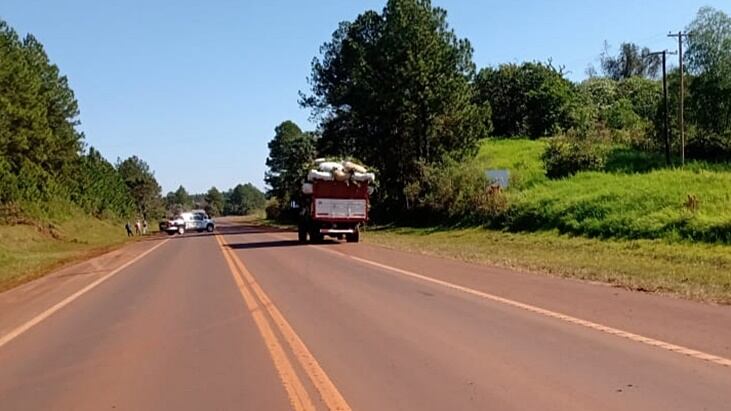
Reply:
x=247, y=318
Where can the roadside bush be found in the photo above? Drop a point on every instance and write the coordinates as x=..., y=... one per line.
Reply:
x=458, y=192
x=8, y=183
x=272, y=210
x=565, y=156
x=621, y=116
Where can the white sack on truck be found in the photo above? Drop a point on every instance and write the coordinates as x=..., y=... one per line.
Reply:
x=330, y=166
x=319, y=175
x=364, y=177
x=351, y=167
x=340, y=175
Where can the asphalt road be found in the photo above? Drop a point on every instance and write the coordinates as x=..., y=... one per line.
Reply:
x=249, y=319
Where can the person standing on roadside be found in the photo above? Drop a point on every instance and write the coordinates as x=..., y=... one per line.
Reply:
x=144, y=227
x=128, y=227
x=138, y=228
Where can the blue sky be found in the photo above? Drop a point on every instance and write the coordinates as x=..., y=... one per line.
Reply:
x=196, y=87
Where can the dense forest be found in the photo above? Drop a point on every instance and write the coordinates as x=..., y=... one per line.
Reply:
x=243, y=199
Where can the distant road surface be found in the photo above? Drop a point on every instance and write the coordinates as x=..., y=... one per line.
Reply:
x=247, y=318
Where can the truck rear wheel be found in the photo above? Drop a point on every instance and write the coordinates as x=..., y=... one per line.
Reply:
x=302, y=233
x=353, y=238
x=316, y=236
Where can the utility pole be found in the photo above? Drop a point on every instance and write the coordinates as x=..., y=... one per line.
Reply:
x=666, y=126
x=680, y=36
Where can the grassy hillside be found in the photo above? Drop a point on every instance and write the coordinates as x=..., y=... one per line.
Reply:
x=692, y=203
x=31, y=247
x=673, y=204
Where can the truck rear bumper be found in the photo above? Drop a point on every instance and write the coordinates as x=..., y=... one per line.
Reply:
x=337, y=231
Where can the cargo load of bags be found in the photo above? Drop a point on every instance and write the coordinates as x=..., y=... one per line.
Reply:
x=341, y=171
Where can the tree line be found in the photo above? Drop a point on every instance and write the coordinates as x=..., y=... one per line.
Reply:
x=43, y=158
x=398, y=89
x=243, y=199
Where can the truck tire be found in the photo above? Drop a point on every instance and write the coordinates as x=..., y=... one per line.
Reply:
x=181, y=230
x=353, y=238
x=316, y=236
x=302, y=233
x=209, y=228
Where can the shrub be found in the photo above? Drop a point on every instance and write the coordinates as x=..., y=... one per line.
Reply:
x=272, y=210
x=458, y=192
x=565, y=156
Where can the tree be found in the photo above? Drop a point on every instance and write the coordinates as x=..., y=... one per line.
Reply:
x=709, y=46
x=214, y=202
x=178, y=201
x=98, y=188
x=61, y=109
x=290, y=153
x=531, y=99
x=622, y=104
x=38, y=111
x=181, y=197
x=644, y=95
x=38, y=116
x=709, y=66
x=244, y=199
x=631, y=61
x=393, y=89
x=142, y=186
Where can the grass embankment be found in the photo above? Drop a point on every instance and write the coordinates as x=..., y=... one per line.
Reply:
x=30, y=248
x=660, y=230
x=692, y=203
x=694, y=271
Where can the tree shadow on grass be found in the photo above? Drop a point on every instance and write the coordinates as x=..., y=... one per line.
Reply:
x=627, y=160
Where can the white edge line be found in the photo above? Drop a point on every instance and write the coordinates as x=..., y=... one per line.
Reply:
x=66, y=301
x=552, y=314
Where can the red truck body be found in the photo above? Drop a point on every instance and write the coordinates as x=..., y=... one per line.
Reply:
x=334, y=190
x=336, y=209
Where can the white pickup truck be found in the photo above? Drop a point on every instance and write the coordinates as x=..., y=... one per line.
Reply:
x=192, y=220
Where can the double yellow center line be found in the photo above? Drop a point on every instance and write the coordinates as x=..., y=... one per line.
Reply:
x=267, y=317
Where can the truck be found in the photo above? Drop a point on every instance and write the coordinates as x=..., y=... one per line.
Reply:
x=333, y=208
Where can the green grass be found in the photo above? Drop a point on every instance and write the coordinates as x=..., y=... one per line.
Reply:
x=692, y=270
x=636, y=198
x=521, y=157
x=657, y=204
x=29, y=249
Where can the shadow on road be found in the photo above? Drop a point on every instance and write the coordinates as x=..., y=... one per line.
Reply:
x=265, y=244
x=224, y=230
x=273, y=244
x=249, y=229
